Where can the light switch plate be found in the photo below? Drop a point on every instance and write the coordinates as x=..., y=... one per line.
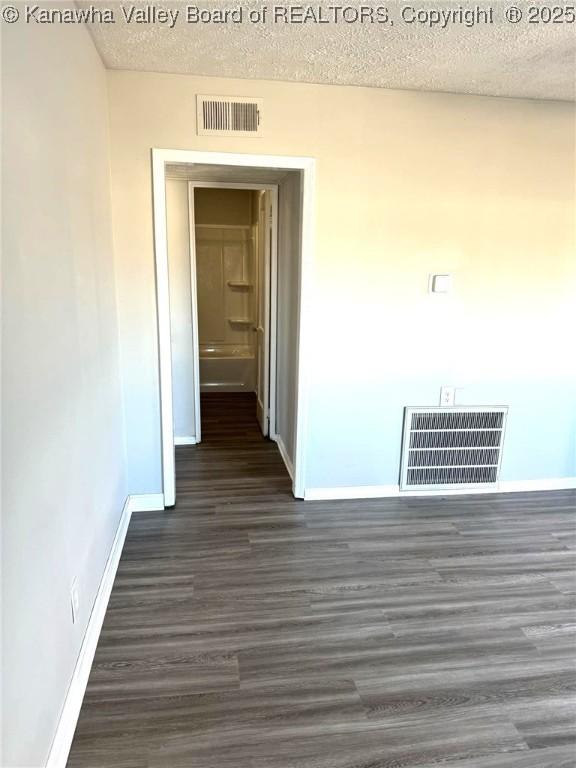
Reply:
x=440, y=283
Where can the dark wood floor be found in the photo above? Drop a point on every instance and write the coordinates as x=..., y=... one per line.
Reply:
x=249, y=630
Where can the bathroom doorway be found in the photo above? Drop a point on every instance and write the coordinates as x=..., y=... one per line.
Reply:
x=222, y=250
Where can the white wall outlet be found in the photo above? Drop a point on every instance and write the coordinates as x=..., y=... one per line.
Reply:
x=447, y=396
x=75, y=601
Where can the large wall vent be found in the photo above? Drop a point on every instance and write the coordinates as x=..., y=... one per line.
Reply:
x=451, y=448
x=229, y=116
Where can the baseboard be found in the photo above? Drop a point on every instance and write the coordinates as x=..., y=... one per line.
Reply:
x=351, y=492
x=146, y=502
x=231, y=386
x=548, y=484
x=188, y=440
x=389, y=491
x=69, y=716
x=284, y=454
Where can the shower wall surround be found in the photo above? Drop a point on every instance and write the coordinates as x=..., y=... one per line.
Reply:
x=226, y=286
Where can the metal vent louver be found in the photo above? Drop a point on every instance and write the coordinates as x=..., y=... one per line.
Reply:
x=449, y=448
x=229, y=116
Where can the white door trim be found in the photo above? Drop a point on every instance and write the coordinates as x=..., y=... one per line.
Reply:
x=163, y=320
x=194, y=312
x=272, y=313
x=305, y=350
x=160, y=158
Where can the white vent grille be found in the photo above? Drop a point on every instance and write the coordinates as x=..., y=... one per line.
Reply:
x=229, y=116
x=448, y=448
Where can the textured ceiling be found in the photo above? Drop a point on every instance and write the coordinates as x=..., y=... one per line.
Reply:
x=501, y=59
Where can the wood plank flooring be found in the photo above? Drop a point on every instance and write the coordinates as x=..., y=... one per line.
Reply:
x=250, y=630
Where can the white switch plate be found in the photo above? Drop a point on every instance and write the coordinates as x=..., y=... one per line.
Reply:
x=447, y=396
x=75, y=600
x=440, y=283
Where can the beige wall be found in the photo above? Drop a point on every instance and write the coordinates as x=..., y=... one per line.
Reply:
x=407, y=184
x=223, y=206
x=63, y=483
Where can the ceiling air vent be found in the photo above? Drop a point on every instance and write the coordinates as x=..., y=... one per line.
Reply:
x=451, y=448
x=229, y=116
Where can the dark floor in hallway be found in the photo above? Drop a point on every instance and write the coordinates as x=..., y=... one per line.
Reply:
x=249, y=630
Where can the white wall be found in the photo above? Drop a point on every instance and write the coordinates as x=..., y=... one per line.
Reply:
x=407, y=184
x=180, y=307
x=289, y=247
x=63, y=454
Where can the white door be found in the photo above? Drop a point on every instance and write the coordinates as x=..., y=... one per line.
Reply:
x=262, y=327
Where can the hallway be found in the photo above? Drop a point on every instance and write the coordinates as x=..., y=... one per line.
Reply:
x=249, y=630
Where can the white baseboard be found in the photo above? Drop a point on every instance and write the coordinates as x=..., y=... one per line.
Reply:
x=146, y=502
x=351, y=492
x=228, y=386
x=69, y=716
x=284, y=454
x=188, y=440
x=388, y=491
x=548, y=484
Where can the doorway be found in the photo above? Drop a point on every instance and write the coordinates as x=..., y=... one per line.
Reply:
x=280, y=346
x=222, y=254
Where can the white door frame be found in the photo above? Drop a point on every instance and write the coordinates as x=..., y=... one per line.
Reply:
x=270, y=300
x=194, y=312
x=307, y=165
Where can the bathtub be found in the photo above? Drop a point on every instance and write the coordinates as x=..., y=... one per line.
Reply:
x=227, y=368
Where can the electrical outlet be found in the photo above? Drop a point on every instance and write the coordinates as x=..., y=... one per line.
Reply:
x=75, y=601
x=447, y=396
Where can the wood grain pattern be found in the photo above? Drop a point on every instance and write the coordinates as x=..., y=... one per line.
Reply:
x=250, y=630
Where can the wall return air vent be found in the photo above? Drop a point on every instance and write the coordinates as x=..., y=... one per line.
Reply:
x=451, y=448
x=228, y=116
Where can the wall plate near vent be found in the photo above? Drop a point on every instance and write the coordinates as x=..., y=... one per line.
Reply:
x=452, y=448
x=229, y=116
